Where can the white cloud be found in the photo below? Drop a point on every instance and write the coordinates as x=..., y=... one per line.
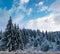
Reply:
x=55, y=7
x=21, y=5
x=44, y=23
x=23, y=8
x=50, y=22
x=41, y=3
x=19, y=16
x=29, y=11
x=24, y=1
x=18, y=19
x=43, y=8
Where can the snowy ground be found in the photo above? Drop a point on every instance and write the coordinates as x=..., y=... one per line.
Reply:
x=29, y=52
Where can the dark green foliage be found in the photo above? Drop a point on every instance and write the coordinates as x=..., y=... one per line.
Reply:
x=8, y=36
x=16, y=38
x=35, y=43
x=45, y=47
x=11, y=38
x=58, y=47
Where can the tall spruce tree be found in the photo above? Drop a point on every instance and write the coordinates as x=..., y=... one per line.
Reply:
x=16, y=38
x=12, y=40
x=8, y=34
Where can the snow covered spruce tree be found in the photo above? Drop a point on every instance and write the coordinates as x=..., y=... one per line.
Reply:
x=11, y=37
x=16, y=38
x=8, y=36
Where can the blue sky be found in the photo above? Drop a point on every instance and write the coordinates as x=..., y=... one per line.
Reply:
x=31, y=14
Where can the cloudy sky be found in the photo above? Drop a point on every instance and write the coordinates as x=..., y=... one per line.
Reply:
x=31, y=14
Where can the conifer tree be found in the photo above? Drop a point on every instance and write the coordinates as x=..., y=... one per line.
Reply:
x=8, y=34
x=16, y=38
